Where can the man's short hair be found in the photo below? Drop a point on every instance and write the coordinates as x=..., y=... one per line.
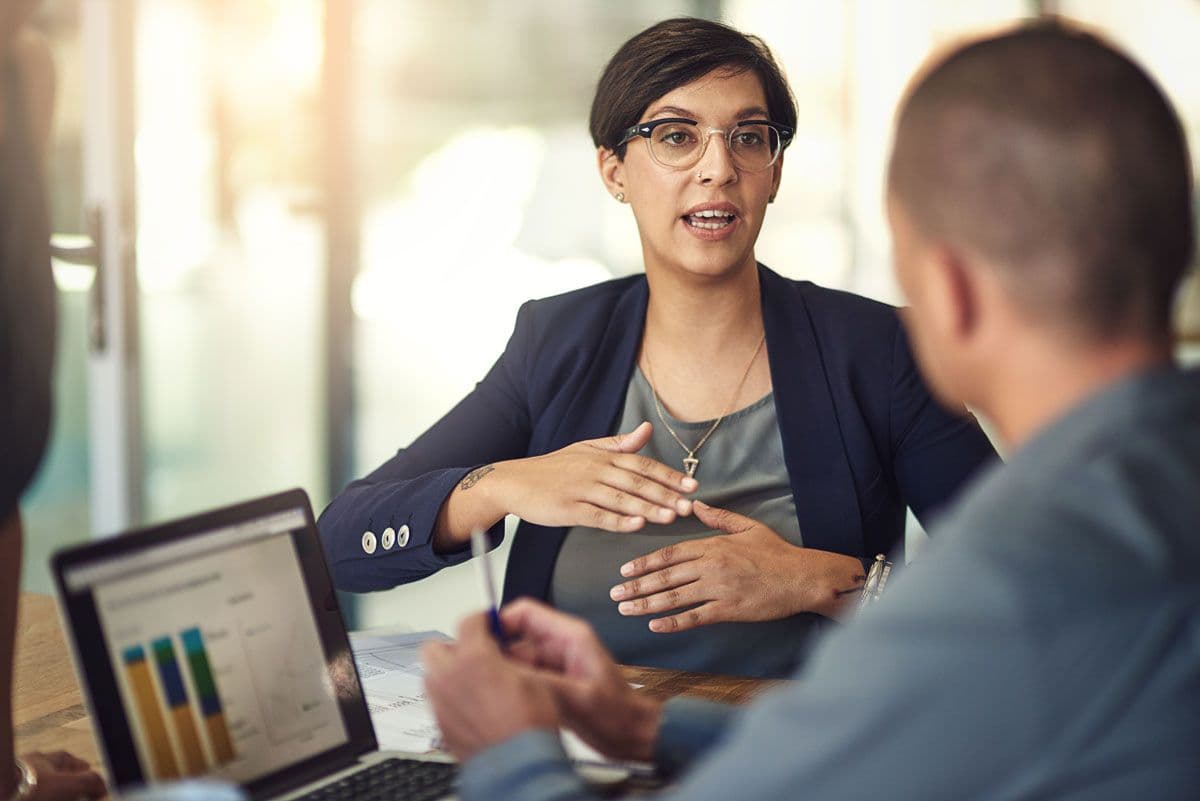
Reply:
x=1058, y=159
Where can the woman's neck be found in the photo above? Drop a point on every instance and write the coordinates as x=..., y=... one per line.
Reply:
x=702, y=346
x=688, y=313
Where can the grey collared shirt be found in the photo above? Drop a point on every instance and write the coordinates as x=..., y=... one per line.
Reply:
x=1045, y=645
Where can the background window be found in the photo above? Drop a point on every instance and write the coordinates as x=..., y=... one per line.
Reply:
x=471, y=186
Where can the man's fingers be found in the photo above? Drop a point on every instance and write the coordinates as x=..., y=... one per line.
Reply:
x=663, y=557
x=529, y=620
x=539, y=636
x=557, y=683
x=674, y=598
x=475, y=633
x=674, y=575
x=561, y=642
x=436, y=656
x=692, y=618
x=526, y=616
x=721, y=519
x=572, y=696
x=525, y=652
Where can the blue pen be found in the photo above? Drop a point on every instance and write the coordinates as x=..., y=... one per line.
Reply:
x=483, y=569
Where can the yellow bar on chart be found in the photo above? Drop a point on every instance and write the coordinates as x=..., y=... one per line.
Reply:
x=154, y=729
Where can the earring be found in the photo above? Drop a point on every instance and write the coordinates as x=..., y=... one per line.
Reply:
x=620, y=196
x=700, y=176
x=771, y=199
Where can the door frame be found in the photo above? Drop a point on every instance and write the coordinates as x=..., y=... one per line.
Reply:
x=109, y=186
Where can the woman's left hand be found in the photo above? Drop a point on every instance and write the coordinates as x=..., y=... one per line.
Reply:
x=748, y=573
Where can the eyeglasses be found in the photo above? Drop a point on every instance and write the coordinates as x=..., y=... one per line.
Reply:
x=679, y=143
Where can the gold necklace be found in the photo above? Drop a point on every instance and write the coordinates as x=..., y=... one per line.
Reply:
x=691, y=461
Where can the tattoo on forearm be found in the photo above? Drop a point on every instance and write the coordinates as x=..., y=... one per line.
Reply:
x=472, y=478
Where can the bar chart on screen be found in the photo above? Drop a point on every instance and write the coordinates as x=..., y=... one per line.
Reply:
x=217, y=673
x=168, y=710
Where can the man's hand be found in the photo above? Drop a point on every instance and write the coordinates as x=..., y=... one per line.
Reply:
x=749, y=573
x=592, y=696
x=62, y=777
x=480, y=697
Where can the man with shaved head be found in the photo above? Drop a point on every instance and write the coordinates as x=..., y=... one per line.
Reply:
x=1046, y=645
x=1056, y=169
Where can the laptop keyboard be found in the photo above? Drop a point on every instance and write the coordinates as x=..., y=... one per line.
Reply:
x=391, y=780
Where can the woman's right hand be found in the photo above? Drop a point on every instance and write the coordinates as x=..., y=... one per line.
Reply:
x=602, y=483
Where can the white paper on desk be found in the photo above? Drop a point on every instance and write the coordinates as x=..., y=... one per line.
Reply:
x=389, y=666
x=393, y=680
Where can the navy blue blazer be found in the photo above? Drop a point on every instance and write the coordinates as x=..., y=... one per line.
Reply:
x=862, y=437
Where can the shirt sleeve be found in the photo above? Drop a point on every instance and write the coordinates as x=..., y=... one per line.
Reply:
x=534, y=766
x=936, y=695
x=531, y=766
x=406, y=493
x=689, y=727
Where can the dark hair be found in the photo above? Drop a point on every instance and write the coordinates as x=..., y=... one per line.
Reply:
x=1060, y=160
x=673, y=53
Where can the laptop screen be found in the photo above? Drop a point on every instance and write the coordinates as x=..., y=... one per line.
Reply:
x=213, y=650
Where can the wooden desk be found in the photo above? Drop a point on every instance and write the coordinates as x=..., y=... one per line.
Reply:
x=711, y=686
x=48, y=710
x=49, y=714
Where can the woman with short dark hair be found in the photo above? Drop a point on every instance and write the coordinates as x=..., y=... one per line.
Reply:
x=793, y=412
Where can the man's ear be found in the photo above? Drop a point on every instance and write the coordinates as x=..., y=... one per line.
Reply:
x=612, y=172
x=954, y=293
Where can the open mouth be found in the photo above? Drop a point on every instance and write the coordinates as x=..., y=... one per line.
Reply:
x=710, y=219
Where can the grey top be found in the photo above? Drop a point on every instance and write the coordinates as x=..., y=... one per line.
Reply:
x=1045, y=645
x=741, y=468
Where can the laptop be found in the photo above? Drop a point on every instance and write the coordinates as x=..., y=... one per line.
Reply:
x=213, y=646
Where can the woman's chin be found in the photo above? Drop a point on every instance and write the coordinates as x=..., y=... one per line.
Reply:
x=712, y=265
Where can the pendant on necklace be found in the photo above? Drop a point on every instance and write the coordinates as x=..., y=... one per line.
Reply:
x=690, y=463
